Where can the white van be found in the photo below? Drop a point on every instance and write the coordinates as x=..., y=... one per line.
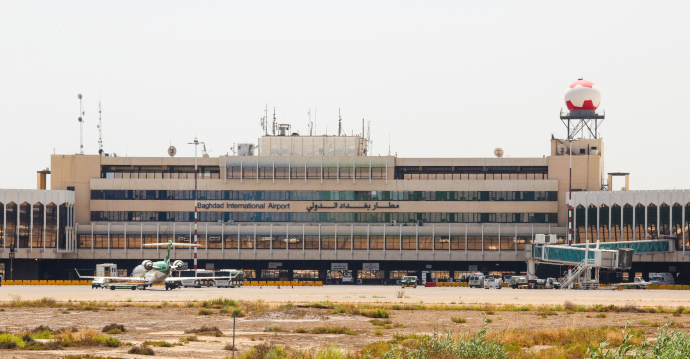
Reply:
x=661, y=278
x=492, y=283
x=477, y=280
x=236, y=278
x=196, y=278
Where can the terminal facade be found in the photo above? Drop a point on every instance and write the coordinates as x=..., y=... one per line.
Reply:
x=307, y=207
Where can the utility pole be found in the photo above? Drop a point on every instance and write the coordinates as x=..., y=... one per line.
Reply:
x=196, y=144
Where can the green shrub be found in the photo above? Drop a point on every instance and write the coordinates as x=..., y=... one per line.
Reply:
x=379, y=322
x=601, y=315
x=459, y=320
x=143, y=350
x=16, y=341
x=205, y=312
x=161, y=343
x=378, y=332
x=377, y=313
x=300, y=330
x=333, y=330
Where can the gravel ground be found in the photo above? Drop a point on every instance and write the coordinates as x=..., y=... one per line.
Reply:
x=358, y=294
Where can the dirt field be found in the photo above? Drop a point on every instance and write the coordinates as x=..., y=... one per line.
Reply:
x=358, y=294
x=169, y=324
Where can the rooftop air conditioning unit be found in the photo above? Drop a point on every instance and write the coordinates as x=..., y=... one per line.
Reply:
x=394, y=223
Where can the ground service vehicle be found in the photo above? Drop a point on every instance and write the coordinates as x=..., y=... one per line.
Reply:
x=661, y=278
x=506, y=278
x=235, y=278
x=517, y=280
x=99, y=283
x=492, y=283
x=638, y=283
x=197, y=278
x=476, y=280
x=409, y=281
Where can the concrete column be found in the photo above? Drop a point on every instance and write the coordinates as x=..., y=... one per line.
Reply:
x=270, y=242
x=683, y=229
x=646, y=227
x=108, y=238
x=45, y=214
x=658, y=220
x=384, y=241
x=633, y=222
x=4, y=226
x=352, y=239
x=91, y=239
x=57, y=227
x=627, y=182
x=125, y=238
x=610, y=183
x=222, y=239
x=465, y=242
x=31, y=229
x=16, y=239
x=598, y=222
x=586, y=223
x=368, y=244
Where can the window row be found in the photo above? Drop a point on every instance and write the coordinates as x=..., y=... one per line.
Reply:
x=326, y=195
x=364, y=217
x=298, y=172
x=473, y=176
x=299, y=241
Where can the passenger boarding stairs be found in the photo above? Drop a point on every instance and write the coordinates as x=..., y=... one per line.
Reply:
x=587, y=256
x=577, y=272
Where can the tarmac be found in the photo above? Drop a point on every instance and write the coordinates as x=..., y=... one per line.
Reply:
x=355, y=294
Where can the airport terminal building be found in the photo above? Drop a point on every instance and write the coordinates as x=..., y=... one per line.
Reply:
x=305, y=205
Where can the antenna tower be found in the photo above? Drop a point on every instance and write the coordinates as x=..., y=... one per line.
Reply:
x=100, y=127
x=274, y=121
x=311, y=125
x=340, y=123
x=81, y=127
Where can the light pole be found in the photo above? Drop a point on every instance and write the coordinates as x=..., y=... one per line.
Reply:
x=196, y=214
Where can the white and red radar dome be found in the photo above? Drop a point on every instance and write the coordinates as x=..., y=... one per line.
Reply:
x=582, y=95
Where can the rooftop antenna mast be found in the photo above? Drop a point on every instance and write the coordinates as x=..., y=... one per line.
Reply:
x=311, y=125
x=81, y=127
x=370, y=143
x=274, y=121
x=340, y=123
x=100, y=127
x=389, y=143
x=264, y=121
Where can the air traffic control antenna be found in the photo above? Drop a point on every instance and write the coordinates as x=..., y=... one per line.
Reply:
x=100, y=135
x=81, y=127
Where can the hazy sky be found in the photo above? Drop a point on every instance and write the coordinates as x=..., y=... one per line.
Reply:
x=443, y=78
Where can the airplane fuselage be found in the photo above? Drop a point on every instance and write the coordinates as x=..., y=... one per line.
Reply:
x=158, y=274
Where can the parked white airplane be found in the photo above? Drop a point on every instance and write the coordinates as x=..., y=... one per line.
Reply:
x=149, y=272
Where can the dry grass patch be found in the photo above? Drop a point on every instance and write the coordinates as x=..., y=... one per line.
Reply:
x=206, y=331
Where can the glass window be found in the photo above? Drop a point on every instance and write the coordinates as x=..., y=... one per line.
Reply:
x=372, y=274
x=305, y=274
x=375, y=242
x=392, y=241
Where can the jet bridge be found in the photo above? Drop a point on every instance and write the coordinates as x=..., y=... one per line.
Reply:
x=588, y=257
